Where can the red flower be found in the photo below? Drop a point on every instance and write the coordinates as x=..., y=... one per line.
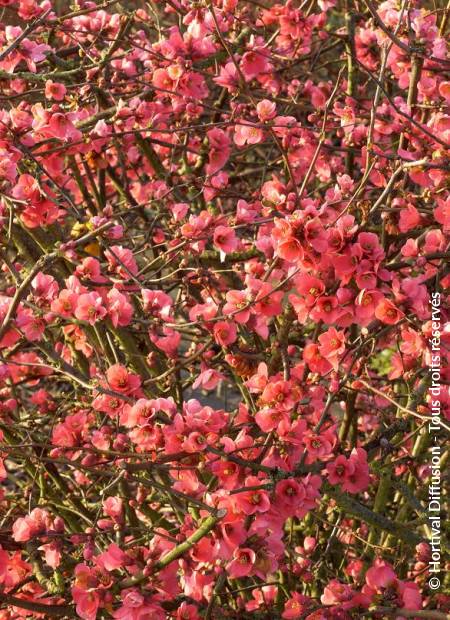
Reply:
x=388, y=313
x=89, y=307
x=252, y=501
x=332, y=346
x=225, y=333
x=289, y=495
x=119, y=379
x=225, y=239
x=243, y=563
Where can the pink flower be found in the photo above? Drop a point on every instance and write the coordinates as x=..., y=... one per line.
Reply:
x=335, y=593
x=370, y=245
x=351, y=473
x=161, y=79
x=192, y=85
x=310, y=287
x=357, y=480
x=26, y=188
x=253, y=501
x=225, y=333
x=32, y=326
x=72, y=431
x=247, y=134
x=4, y=559
x=114, y=507
x=268, y=302
x=266, y=110
x=60, y=126
x=290, y=249
x=86, y=603
x=45, y=288
x=168, y=342
x=339, y=470
x=65, y=303
x=242, y=563
x=157, y=303
x=237, y=305
x=187, y=612
x=207, y=379
x=232, y=534
x=119, y=379
x=254, y=63
x=55, y=90
x=121, y=261
x=33, y=52
x=325, y=309
x=119, y=308
x=380, y=576
x=319, y=446
x=295, y=606
x=136, y=607
x=269, y=419
x=332, y=346
x=409, y=219
x=37, y=522
x=410, y=595
x=388, y=313
x=52, y=553
x=219, y=150
x=316, y=235
x=225, y=239
x=22, y=530
x=316, y=362
x=228, y=77
x=289, y=494
x=196, y=442
x=281, y=395
x=85, y=592
x=90, y=269
x=90, y=308
x=8, y=167
x=312, y=484
x=113, y=558
x=286, y=238
x=366, y=304
x=43, y=212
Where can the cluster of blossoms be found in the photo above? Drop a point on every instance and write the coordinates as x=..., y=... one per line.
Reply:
x=221, y=224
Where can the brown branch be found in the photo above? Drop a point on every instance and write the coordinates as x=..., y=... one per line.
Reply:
x=28, y=30
x=22, y=290
x=41, y=608
x=398, y=42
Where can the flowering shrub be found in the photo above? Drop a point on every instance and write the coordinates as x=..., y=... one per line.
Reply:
x=222, y=225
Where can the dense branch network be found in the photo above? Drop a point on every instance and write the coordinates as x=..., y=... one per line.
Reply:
x=222, y=226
